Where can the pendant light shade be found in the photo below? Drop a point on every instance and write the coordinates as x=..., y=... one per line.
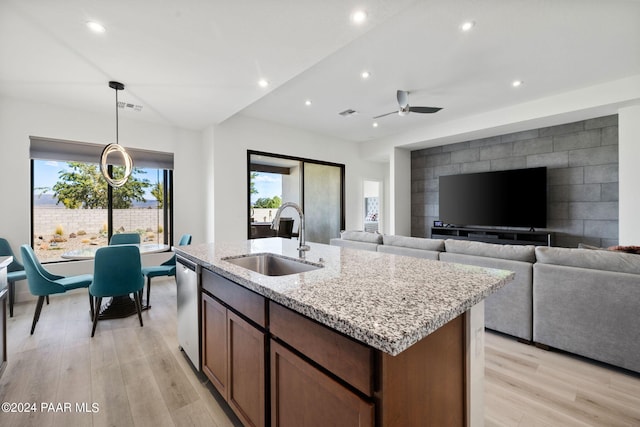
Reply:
x=116, y=148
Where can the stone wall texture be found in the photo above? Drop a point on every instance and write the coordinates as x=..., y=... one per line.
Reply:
x=582, y=176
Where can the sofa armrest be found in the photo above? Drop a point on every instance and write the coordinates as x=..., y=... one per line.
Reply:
x=589, y=312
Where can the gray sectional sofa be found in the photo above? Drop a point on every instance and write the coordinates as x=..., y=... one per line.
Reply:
x=583, y=301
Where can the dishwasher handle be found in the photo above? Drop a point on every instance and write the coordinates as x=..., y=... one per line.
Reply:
x=187, y=264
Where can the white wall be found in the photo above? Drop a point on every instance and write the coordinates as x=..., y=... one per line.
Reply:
x=20, y=119
x=629, y=175
x=238, y=134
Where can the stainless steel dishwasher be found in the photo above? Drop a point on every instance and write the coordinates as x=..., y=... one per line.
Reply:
x=187, y=276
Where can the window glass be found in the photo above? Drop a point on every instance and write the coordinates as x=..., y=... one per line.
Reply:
x=71, y=207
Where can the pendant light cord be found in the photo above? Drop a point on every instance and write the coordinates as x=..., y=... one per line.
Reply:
x=117, y=141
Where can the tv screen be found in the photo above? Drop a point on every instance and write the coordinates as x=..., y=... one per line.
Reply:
x=512, y=198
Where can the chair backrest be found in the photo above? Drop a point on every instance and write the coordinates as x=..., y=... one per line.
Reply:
x=184, y=241
x=286, y=228
x=116, y=271
x=40, y=281
x=5, y=250
x=125, y=239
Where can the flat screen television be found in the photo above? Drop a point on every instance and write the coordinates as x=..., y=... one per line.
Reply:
x=511, y=198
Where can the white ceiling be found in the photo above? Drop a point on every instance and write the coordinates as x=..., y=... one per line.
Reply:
x=194, y=63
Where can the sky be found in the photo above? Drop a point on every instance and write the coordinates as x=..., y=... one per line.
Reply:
x=46, y=173
x=268, y=185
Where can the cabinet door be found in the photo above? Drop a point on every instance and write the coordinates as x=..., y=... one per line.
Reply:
x=301, y=395
x=214, y=343
x=246, y=371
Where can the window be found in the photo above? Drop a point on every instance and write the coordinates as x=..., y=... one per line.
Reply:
x=72, y=205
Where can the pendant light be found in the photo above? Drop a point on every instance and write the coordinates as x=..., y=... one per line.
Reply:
x=113, y=148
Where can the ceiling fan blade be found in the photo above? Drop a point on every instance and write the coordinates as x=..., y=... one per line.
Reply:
x=424, y=109
x=403, y=98
x=382, y=115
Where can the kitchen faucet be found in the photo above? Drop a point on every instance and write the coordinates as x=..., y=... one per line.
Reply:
x=275, y=225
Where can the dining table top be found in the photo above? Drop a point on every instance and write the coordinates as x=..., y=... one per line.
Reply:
x=89, y=252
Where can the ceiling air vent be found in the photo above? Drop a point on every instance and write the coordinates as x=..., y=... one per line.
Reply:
x=348, y=113
x=129, y=106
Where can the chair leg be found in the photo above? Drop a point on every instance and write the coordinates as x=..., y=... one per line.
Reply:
x=36, y=315
x=148, y=291
x=12, y=296
x=91, y=304
x=136, y=297
x=96, y=312
x=47, y=299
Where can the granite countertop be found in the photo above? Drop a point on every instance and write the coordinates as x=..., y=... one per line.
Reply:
x=386, y=301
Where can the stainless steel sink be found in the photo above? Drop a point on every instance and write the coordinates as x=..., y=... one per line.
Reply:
x=271, y=264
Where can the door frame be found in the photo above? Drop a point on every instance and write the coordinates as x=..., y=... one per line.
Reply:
x=302, y=161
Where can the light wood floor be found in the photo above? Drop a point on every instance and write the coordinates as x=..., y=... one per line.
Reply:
x=139, y=377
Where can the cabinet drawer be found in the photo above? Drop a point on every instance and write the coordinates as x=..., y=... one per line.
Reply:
x=344, y=357
x=240, y=299
x=302, y=395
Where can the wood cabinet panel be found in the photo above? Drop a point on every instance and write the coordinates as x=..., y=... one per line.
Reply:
x=242, y=300
x=246, y=371
x=425, y=384
x=346, y=358
x=214, y=343
x=301, y=395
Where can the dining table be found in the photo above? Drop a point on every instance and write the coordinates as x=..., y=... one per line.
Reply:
x=118, y=306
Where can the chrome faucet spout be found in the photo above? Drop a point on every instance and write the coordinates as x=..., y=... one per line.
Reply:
x=275, y=225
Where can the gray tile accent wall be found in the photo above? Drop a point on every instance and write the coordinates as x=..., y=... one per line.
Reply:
x=582, y=176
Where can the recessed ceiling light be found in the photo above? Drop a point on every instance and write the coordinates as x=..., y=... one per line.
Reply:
x=263, y=83
x=358, y=17
x=375, y=124
x=307, y=102
x=468, y=25
x=365, y=74
x=96, y=27
x=517, y=83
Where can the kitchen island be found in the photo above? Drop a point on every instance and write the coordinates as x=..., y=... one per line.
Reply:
x=363, y=338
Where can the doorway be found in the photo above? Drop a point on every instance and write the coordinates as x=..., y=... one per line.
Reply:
x=318, y=187
x=372, y=206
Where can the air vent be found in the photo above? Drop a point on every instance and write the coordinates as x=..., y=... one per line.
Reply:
x=348, y=113
x=129, y=106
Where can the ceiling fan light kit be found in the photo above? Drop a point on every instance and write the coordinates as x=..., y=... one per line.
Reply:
x=404, y=108
x=116, y=148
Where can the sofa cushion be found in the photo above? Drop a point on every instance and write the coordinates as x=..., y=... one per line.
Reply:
x=354, y=244
x=414, y=242
x=361, y=236
x=401, y=250
x=525, y=253
x=620, y=262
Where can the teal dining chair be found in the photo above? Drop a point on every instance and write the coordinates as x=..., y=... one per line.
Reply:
x=167, y=268
x=42, y=283
x=125, y=239
x=116, y=272
x=15, y=272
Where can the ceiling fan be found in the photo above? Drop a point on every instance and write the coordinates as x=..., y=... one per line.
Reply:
x=404, y=108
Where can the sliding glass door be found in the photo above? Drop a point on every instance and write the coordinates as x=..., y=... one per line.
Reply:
x=322, y=201
x=318, y=187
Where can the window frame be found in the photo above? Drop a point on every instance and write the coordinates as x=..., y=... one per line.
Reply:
x=167, y=207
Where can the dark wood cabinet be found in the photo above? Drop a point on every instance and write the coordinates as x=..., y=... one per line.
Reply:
x=214, y=343
x=233, y=349
x=246, y=389
x=302, y=395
